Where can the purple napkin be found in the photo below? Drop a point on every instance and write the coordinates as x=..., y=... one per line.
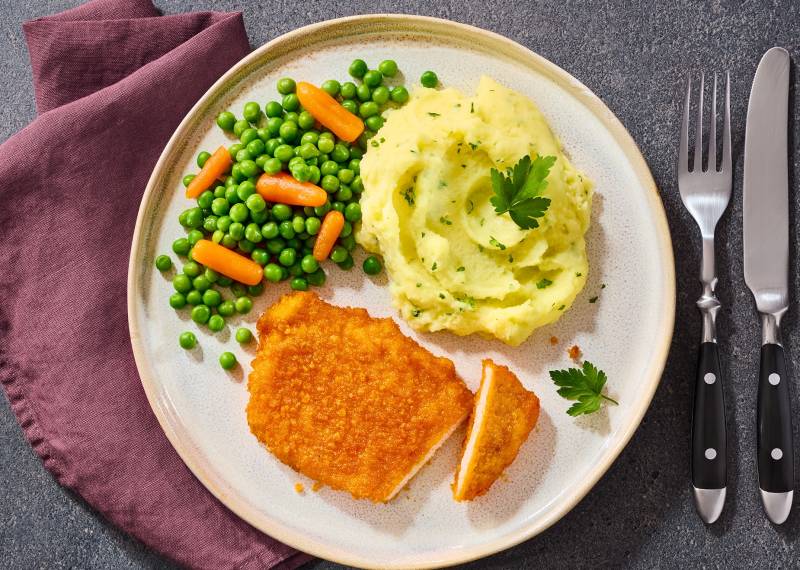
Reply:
x=113, y=80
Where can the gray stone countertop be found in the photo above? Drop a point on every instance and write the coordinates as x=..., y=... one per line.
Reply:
x=635, y=56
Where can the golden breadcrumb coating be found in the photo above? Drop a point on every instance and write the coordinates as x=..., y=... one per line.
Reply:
x=503, y=416
x=347, y=399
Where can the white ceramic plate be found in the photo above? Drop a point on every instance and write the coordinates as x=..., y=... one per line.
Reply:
x=627, y=331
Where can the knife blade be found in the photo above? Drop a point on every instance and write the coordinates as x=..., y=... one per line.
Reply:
x=766, y=270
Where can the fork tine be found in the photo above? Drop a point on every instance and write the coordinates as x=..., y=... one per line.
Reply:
x=698, y=131
x=683, y=149
x=712, y=135
x=726, y=126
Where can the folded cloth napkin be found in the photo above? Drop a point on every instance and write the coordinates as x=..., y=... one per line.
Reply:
x=113, y=79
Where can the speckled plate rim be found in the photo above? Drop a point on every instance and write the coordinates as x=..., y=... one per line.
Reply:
x=168, y=417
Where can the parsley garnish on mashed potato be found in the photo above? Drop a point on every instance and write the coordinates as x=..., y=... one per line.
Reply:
x=444, y=135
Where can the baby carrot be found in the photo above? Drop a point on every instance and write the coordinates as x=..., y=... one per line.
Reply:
x=283, y=188
x=329, y=112
x=229, y=263
x=331, y=228
x=216, y=165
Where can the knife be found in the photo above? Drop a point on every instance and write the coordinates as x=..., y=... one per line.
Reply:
x=766, y=271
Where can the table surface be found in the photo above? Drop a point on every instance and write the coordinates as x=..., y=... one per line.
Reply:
x=636, y=58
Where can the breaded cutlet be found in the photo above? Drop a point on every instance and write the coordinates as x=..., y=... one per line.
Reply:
x=504, y=414
x=347, y=399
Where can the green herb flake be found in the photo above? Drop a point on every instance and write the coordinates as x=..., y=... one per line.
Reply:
x=419, y=285
x=474, y=146
x=441, y=295
x=579, y=274
x=409, y=195
x=442, y=184
x=561, y=308
x=434, y=114
x=543, y=283
x=495, y=243
x=445, y=220
x=470, y=206
x=461, y=269
x=434, y=266
x=593, y=300
x=472, y=107
x=510, y=258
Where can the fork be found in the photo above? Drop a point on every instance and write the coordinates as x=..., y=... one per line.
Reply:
x=705, y=193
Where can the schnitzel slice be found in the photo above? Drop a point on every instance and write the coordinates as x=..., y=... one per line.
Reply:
x=504, y=415
x=347, y=399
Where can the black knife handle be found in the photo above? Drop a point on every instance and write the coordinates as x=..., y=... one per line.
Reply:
x=775, y=450
x=709, y=449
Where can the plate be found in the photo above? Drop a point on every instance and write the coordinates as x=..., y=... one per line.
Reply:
x=627, y=331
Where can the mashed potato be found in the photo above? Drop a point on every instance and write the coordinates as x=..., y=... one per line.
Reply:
x=453, y=263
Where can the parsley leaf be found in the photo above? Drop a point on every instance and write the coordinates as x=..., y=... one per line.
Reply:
x=518, y=191
x=584, y=386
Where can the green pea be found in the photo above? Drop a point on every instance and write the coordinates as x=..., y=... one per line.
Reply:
x=308, y=150
x=329, y=168
x=217, y=236
x=239, y=289
x=325, y=145
x=227, y=360
x=181, y=246
x=429, y=79
x=244, y=191
x=256, y=148
x=295, y=270
x=312, y=225
x=373, y=78
x=348, y=90
x=226, y=308
x=248, y=136
x=273, y=109
x=177, y=300
x=194, y=297
x=248, y=168
x=351, y=106
x=357, y=185
x=263, y=134
x=260, y=160
x=224, y=281
x=309, y=264
x=246, y=245
x=226, y=120
x=358, y=68
x=260, y=256
x=347, y=229
x=252, y=111
x=368, y=109
x=374, y=122
x=219, y=192
x=240, y=126
x=239, y=212
x=291, y=116
x=355, y=166
x=272, y=272
x=291, y=102
x=201, y=314
x=236, y=230
x=381, y=95
x=305, y=120
x=356, y=152
x=243, y=155
x=298, y=224
x=288, y=131
x=269, y=230
x=338, y=206
x=372, y=265
x=255, y=203
x=216, y=323
x=255, y=290
x=301, y=172
x=229, y=181
x=388, y=67
x=344, y=194
x=286, y=230
x=338, y=254
x=229, y=241
x=363, y=93
x=320, y=211
x=243, y=305
x=286, y=85
x=224, y=223
x=212, y=298
x=284, y=153
x=348, y=242
x=243, y=335
x=210, y=223
x=202, y=157
x=347, y=264
x=163, y=262
x=315, y=174
x=399, y=94
x=281, y=212
x=205, y=199
x=317, y=278
x=345, y=175
x=287, y=257
x=274, y=126
x=272, y=166
x=253, y=233
x=211, y=275
x=299, y=284
x=340, y=153
x=330, y=183
x=187, y=340
x=200, y=283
